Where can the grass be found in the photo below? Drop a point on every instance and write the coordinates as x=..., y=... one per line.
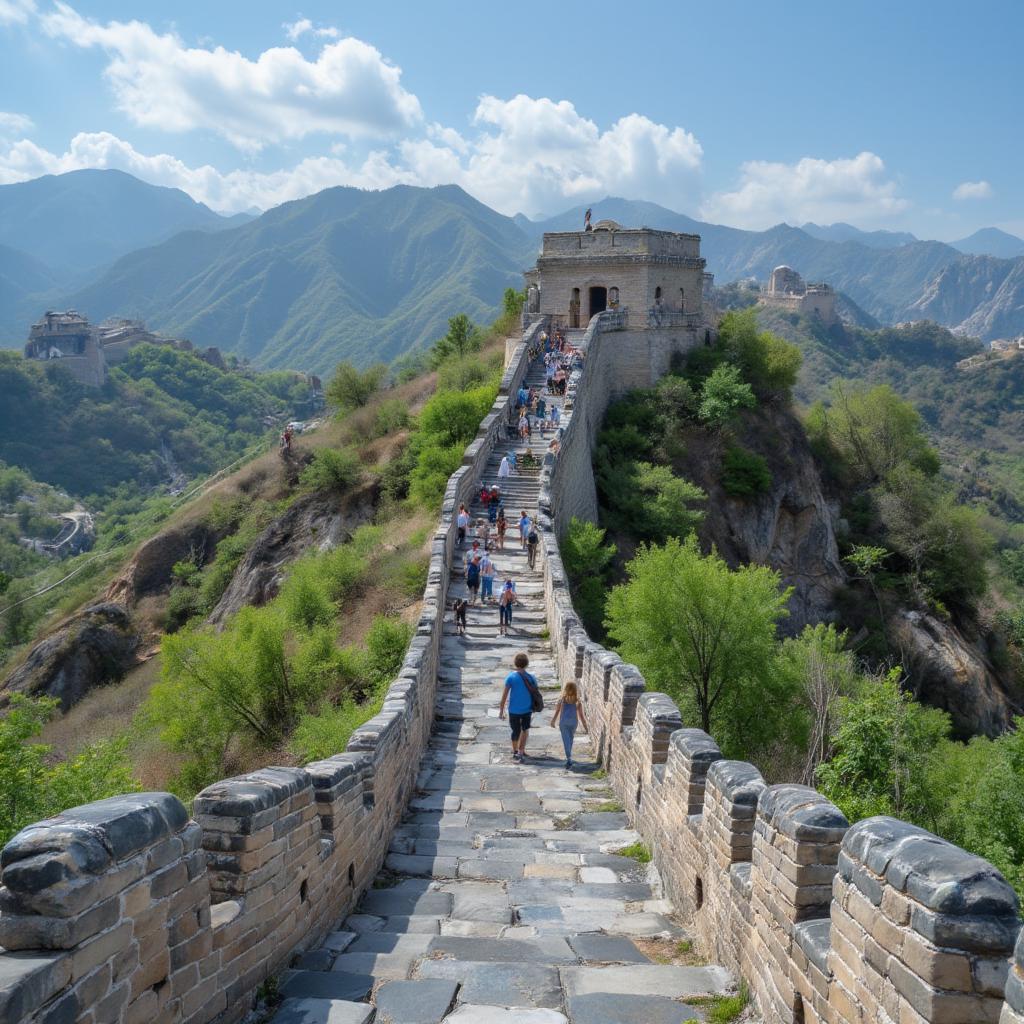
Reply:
x=722, y=1009
x=610, y=806
x=599, y=773
x=638, y=851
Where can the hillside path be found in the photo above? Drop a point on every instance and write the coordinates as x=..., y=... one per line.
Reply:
x=502, y=900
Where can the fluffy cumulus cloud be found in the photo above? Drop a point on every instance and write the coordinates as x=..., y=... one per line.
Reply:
x=523, y=154
x=856, y=189
x=973, y=190
x=531, y=155
x=159, y=82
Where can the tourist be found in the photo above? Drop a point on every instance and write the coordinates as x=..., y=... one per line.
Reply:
x=473, y=577
x=483, y=531
x=487, y=574
x=500, y=526
x=569, y=714
x=460, y=606
x=504, y=470
x=524, y=528
x=513, y=462
x=519, y=693
x=532, y=543
x=461, y=522
x=506, y=600
x=524, y=427
x=556, y=415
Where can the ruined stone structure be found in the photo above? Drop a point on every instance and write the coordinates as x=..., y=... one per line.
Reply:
x=788, y=290
x=69, y=337
x=87, y=350
x=130, y=911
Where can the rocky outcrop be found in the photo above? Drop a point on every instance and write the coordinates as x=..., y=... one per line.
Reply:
x=948, y=670
x=94, y=647
x=789, y=528
x=149, y=572
x=313, y=522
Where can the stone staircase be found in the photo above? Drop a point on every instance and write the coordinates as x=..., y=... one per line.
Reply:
x=503, y=899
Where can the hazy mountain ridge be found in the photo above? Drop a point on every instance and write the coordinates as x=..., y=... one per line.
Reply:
x=991, y=242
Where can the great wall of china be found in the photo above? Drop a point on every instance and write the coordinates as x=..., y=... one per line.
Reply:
x=130, y=910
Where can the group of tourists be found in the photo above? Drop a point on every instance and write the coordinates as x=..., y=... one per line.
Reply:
x=558, y=368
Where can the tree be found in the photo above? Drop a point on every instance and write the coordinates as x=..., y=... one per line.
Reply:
x=587, y=560
x=724, y=394
x=462, y=338
x=453, y=417
x=705, y=635
x=664, y=503
x=350, y=389
x=512, y=303
x=873, y=432
x=332, y=469
x=882, y=751
x=867, y=560
x=770, y=364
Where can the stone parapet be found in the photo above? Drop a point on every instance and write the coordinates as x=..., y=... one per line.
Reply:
x=880, y=922
x=128, y=911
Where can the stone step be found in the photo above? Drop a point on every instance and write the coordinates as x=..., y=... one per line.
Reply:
x=322, y=1011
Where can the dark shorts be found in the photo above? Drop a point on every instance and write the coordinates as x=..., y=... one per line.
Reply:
x=519, y=724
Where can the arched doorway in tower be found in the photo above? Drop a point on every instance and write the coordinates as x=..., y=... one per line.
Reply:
x=598, y=300
x=574, y=308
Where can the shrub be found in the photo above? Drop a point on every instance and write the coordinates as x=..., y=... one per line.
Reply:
x=304, y=595
x=351, y=389
x=183, y=603
x=587, y=560
x=724, y=394
x=392, y=415
x=744, y=473
x=332, y=469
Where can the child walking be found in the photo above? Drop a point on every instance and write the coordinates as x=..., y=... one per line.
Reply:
x=569, y=714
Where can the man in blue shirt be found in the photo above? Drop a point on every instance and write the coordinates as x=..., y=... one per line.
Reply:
x=520, y=705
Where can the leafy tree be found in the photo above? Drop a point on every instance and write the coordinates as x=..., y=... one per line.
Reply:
x=705, y=635
x=463, y=337
x=866, y=561
x=744, y=473
x=665, y=502
x=453, y=417
x=350, y=389
x=587, y=560
x=882, y=751
x=512, y=302
x=873, y=432
x=332, y=469
x=724, y=394
x=770, y=364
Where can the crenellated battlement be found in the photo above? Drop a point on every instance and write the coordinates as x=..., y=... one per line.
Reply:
x=827, y=922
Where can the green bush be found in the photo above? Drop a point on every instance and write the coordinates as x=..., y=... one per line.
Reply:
x=304, y=595
x=724, y=394
x=332, y=469
x=350, y=389
x=391, y=416
x=587, y=560
x=744, y=473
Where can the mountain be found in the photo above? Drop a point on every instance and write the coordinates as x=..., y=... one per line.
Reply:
x=343, y=274
x=991, y=242
x=78, y=221
x=841, y=232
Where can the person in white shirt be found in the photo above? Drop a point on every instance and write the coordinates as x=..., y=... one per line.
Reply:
x=461, y=523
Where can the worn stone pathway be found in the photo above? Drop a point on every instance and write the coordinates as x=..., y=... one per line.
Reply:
x=502, y=900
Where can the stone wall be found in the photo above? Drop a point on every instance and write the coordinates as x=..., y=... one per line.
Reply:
x=878, y=922
x=130, y=911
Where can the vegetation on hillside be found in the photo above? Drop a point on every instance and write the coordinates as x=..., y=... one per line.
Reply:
x=805, y=708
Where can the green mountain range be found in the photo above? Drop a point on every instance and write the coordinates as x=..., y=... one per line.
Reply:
x=343, y=274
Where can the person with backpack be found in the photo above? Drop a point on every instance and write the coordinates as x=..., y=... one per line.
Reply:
x=569, y=714
x=461, y=522
x=473, y=577
x=532, y=543
x=506, y=599
x=523, y=697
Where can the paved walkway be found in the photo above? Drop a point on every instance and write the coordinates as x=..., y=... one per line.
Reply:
x=503, y=900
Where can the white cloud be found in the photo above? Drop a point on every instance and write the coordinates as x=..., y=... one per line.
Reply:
x=16, y=12
x=811, y=189
x=11, y=124
x=973, y=190
x=159, y=82
x=297, y=28
x=533, y=155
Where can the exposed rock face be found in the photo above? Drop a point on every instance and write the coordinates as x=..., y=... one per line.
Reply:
x=149, y=572
x=95, y=647
x=789, y=528
x=314, y=522
x=948, y=670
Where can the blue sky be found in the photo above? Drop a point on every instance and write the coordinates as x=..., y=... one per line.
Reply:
x=896, y=115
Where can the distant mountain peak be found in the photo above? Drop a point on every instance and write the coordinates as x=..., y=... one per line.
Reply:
x=991, y=242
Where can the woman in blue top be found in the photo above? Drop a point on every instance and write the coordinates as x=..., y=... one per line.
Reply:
x=569, y=714
x=517, y=694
